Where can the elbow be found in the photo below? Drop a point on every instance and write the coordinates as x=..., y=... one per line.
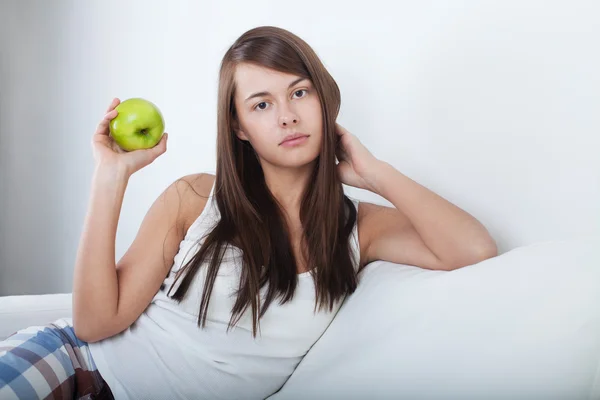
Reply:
x=476, y=256
x=482, y=252
x=85, y=332
x=82, y=334
x=488, y=251
x=95, y=332
x=81, y=326
x=87, y=336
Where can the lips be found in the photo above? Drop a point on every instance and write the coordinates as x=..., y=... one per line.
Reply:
x=293, y=136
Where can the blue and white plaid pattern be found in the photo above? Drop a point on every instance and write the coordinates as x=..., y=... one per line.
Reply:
x=49, y=362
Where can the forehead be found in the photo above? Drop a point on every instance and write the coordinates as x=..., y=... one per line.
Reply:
x=250, y=78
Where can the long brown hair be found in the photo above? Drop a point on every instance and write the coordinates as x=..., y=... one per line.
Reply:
x=250, y=216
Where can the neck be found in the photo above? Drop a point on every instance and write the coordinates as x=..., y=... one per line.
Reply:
x=288, y=185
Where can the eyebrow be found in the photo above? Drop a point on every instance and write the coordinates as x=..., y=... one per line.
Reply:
x=259, y=94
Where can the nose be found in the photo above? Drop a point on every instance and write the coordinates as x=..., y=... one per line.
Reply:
x=288, y=117
x=294, y=121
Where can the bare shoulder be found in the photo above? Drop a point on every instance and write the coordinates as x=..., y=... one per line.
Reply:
x=379, y=225
x=194, y=190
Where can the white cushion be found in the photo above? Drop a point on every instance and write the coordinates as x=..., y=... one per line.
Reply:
x=523, y=325
x=18, y=312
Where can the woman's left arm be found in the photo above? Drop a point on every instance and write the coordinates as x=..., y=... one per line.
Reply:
x=424, y=229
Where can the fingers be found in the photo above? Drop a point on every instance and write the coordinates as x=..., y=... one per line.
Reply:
x=115, y=102
x=102, y=128
x=149, y=155
x=111, y=113
x=340, y=130
x=161, y=147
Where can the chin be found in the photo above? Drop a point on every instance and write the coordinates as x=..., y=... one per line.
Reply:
x=296, y=159
x=297, y=165
x=300, y=160
x=294, y=163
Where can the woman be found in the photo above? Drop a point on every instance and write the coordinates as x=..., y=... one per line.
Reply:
x=270, y=239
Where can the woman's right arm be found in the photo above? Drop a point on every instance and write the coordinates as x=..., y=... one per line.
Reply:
x=108, y=297
x=95, y=285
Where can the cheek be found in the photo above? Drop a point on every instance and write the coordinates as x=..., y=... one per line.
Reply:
x=316, y=115
x=260, y=121
x=311, y=110
x=253, y=123
x=257, y=129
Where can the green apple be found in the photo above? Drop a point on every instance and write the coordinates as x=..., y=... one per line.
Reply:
x=139, y=125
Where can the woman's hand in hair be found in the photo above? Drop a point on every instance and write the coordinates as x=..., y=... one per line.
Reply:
x=356, y=163
x=108, y=154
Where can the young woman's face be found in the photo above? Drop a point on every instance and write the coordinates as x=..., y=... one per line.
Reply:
x=272, y=105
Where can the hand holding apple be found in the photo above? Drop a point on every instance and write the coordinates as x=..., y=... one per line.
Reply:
x=139, y=125
x=136, y=139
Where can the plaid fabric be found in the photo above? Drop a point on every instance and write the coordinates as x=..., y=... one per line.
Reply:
x=49, y=362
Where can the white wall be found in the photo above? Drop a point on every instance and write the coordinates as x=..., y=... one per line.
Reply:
x=492, y=104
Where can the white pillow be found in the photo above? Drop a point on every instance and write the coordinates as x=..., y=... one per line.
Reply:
x=523, y=325
x=19, y=312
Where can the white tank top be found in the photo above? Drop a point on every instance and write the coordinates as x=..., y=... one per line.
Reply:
x=165, y=355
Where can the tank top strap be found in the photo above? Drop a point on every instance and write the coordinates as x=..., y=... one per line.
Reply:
x=354, y=243
x=207, y=217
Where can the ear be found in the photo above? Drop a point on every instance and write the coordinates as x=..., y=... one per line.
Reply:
x=241, y=135
x=238, y=132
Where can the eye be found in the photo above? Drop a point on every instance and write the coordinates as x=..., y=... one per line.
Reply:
x=263, y=105
x=258, y=106
x=300, y=91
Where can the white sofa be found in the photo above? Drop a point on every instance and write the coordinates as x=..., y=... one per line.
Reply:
x=523, y=325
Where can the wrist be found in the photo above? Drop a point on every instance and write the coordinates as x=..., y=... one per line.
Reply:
x=377, y=175
x=111, y=172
